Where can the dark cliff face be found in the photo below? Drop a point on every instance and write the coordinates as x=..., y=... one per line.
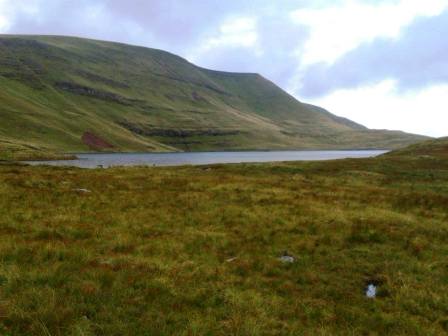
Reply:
x=91, y=92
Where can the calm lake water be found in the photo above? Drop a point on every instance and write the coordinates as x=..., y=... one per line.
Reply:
x=202, y=158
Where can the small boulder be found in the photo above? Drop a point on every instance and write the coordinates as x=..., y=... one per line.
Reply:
x=286, y=258
x=85, y=191
x=371, y=291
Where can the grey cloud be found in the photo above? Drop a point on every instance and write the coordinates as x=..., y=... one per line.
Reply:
x=167, y=24
x=180, y=26
x=416, y=59
x=278, y=40
x=66, y=17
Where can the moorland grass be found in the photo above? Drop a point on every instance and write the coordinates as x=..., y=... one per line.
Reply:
x=194, y=250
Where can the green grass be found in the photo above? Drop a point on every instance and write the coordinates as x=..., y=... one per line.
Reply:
x=13, y=151
x=436, y=148
x=194, y=250
x=132, y=91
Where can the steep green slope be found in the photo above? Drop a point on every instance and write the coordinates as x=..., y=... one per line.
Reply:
x=71, y=94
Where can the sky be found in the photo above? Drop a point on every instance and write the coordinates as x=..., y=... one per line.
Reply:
x=382, y=63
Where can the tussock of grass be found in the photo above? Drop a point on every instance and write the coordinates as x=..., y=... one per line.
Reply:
x=194, y=251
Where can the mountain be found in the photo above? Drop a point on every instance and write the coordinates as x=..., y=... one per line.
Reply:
x=71, y=94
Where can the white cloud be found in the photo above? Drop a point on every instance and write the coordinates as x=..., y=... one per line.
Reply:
x=234, y=32
x=382, y=106
x=4, y=22
x=339, y=29
x=9, y=10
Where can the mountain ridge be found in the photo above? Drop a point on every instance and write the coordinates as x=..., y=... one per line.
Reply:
x=55, y=89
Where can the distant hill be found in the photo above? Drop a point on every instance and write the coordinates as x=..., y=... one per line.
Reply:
x=71, y=94
x=437, y=148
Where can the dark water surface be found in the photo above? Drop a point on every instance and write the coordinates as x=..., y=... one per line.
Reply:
x=201, y=158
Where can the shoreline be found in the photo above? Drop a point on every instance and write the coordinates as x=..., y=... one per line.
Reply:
x=108, y=160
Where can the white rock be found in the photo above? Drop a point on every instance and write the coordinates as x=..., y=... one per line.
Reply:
x=82, y=190
x=287, y=259
x=371, y=291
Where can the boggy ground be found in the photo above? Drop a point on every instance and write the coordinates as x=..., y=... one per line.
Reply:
x=194, y=250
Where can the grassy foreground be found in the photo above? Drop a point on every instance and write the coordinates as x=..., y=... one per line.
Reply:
x=194, y=250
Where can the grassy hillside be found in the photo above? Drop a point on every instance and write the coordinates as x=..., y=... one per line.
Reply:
x=432, y=148
x=195, y=250
x=71, y=94
x=14, y=150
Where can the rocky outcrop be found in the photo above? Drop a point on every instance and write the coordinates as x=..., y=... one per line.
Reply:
x=176, y=133
x=91, y=92
x=103, y=80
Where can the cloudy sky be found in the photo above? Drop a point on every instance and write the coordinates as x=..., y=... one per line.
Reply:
x=383, y=63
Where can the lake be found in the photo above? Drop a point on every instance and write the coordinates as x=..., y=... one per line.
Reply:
x=203, y=158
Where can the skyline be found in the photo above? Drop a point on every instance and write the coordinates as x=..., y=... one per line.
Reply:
x=329, y=53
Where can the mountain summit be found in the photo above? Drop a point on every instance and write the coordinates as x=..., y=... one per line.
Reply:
x=73, y=94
